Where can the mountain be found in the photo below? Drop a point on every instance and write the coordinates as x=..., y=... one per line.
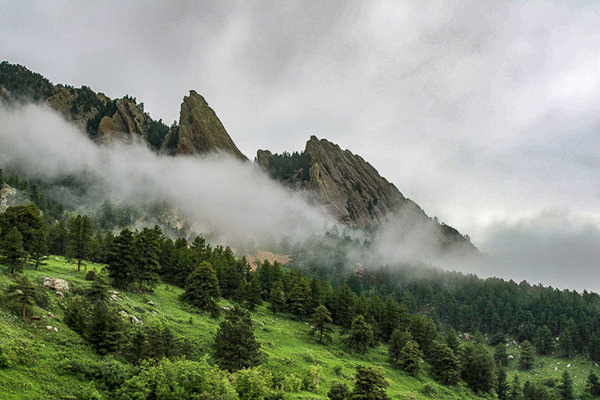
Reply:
x=199, y=130
x=350, y=188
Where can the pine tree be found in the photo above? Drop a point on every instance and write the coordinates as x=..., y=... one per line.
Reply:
x=543, y=340
x=527, y=356
x=12, y=250
x=445, y=366
x=78, y=238
x=477, y=368
x=321, y=323
x=235, y=346
x=500, y=356
x=147, y=258
x=105, y=330
x=369, y=385
x=566, y=344
x=202, y=289
x=502, y=384
x=452, y=340
x=594, y=348
x=252, y=292
x=277, y=298
x=360, y=336
x=299, y=297
x=38, y=247
x=22, y=292
x=77, y=314
x=121, y=260
x=593, y=384
x=396, y=344
x=566, y=387
x=409, y=359
x=515, y=392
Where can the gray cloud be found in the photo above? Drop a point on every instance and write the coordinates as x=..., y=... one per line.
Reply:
x=220, y=196
x=481, y=112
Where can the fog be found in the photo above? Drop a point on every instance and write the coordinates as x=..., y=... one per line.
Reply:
x=238, y=204
x=219, y=195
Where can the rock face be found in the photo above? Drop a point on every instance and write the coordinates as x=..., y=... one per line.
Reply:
x=350, y=188
x=127, y=120
x=201, y=131
x=10, y=197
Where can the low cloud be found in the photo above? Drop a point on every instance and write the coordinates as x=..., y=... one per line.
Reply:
x=218, y=194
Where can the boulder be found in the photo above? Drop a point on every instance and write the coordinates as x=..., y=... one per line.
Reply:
x=49, y=328
x=35, y=317
x=60, y=295
x=56, y=284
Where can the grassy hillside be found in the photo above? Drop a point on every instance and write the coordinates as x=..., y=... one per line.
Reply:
x=48, y=363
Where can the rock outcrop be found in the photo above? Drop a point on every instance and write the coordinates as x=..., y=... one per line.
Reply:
x=201, y=131
x=10, y=197
x=56, y=284
x=350, y=188
x=127, y=120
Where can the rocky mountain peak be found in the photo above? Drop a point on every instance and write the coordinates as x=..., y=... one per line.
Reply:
x=201, y=131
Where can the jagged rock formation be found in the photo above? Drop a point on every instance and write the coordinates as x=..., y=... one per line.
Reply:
x=127, y=120
x=349, y=187
x=201, y=131
x=352, y=190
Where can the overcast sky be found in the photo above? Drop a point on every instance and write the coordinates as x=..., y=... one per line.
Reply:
x=486, y=113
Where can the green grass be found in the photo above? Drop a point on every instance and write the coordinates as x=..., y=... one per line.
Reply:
x=44, y=364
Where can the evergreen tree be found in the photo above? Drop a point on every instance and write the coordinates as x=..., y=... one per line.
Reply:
x=99, y=290
x=369, y=385
x=28, y=220
x=77, y=314
x=593, y=384
x=452, y=340
x=344, y=304
x=424, y=331
x=502, y=384
x=79, y=235
x=202, y=288
x=235, y=346
x=566, y=387
x=409, y=359
x=299, y=297
x=321, y=323
x=147, y=265
x=445, y=366
x=566, y=345
x=543, y=340
x=22, y=292
x=121, y=260
x=38, y=248
x=360, y=336
x=12, y=250
x=527, y=356
x=277, y=298
x=515, y=392
x=500, y=356
x=477, y=368
x=105, y=330
x=252, y=292
x=396, y=344
x=594, y=348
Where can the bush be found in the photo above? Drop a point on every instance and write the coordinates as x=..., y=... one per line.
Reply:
x=253, y=384
x=91, y=275
x=4, y=362
x=311, y=380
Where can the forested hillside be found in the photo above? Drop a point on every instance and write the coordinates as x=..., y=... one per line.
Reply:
x=148, y=316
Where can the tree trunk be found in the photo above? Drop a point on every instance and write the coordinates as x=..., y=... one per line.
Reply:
x=23, y=311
